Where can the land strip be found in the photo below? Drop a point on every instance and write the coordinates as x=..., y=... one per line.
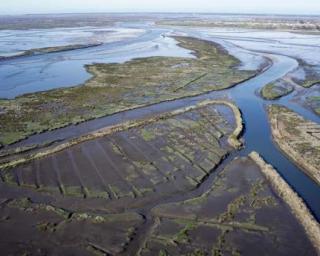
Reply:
x=40, y=51
x=295, y=25
x=276, y=90
x=298, y=138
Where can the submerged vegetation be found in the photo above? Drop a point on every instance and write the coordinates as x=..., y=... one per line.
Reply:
x=118, y=87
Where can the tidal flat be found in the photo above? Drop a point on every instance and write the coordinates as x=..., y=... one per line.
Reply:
x=93, y=184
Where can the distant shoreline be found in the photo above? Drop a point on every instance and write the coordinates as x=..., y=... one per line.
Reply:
x=46, y=50
x=153, y=12
x=304, y=22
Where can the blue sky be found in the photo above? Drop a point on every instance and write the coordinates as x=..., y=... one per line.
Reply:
x=238, y=6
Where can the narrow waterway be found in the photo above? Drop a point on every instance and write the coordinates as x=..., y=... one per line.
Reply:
x=258, y=136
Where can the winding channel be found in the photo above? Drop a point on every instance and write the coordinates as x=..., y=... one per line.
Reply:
x=257, y=134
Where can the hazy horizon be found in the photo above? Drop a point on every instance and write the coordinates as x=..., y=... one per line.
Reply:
x=162, y=12
x=286, y=7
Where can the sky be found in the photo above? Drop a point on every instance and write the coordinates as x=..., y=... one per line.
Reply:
x=214, y=6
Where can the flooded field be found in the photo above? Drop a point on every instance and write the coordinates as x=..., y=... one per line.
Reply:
x=132, y=135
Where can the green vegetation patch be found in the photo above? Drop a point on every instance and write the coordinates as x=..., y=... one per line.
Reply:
x=276, y=90
x=310, y=83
